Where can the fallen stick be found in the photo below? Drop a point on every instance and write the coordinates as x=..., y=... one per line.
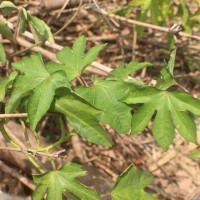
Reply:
x=55, y=4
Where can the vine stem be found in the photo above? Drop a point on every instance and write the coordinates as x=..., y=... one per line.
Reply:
x=182, y=87
x=62, y=139
x=14, y=144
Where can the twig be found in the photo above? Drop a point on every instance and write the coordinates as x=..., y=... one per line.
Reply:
x=159, y=28
x=14, y=173
x=36, y=164
x=68, y=22
x=181, y=86
x=63, y=7
x=18, y=115
x=34, y=152
x=24, y=50
x=21, y=115
x=106, y=20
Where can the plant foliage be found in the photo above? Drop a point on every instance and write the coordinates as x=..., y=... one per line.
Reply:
x=54, y=183
x=130, y=185
x=126, y=104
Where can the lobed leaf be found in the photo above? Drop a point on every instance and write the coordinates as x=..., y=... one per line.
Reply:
x=36, y=82
x=172, y=108
x=54, y=183
x=74, y=59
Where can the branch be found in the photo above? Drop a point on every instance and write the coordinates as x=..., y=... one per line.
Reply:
x=34, y=152
x=146, y=25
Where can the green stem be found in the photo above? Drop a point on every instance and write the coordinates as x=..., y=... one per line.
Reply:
x=62, y=139
x=37, y=139
x=13, y=143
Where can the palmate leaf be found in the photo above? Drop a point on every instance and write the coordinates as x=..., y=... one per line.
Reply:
x=54, y=183
x=106, y=95
x=130, y=185
x=74, y=59
x=36, y=82
x=169, y=106
x=82, y=117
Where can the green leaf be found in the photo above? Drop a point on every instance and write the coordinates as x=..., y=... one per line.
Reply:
x=42, y=97
x=122, y=72
x=186, y=17
x=185, y=101
x=169, y=105
x=8, y=7
x=185, y=125
x=106, y=96
x=171, y=41
x=74, y=59
x=166, y=79
x=130, y=185
x=41, y=32
x=163, y=122
x=81, y=117
x=37, y=83
x=22, y=22
x=4, y=84
x=5, y=30
x=141, y=118
x=2, y=53
x=195, y=154
x=171, y=62
x=54, y=183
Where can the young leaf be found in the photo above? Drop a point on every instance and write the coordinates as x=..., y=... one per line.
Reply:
x=106, y=96
x=5, y=30
x=81, y=117
x=4, y=84
x=195, y=154
x=122, y=72
x=35, y=81
x=22, y=22
x=169, y=106
x=54, y=183
x=41, y=32
x=130, y=185
x=2, y=53
x=8, y=7
x=166, y=79
x=74, y=59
